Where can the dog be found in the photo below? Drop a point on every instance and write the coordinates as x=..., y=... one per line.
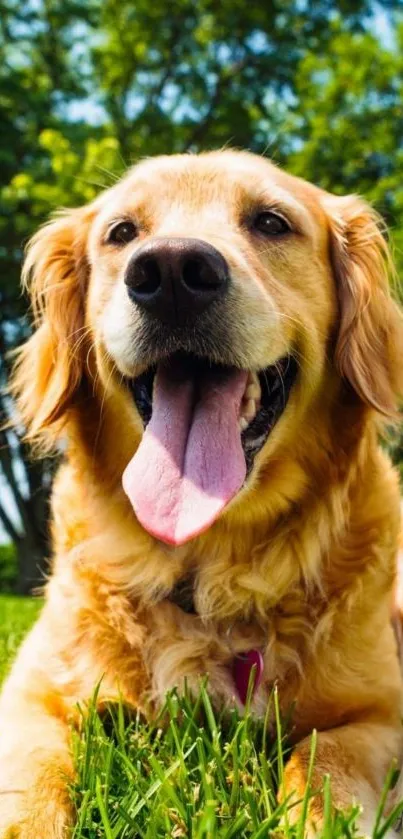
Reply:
x=216, y=351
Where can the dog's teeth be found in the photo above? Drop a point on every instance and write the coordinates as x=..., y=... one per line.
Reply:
x=250, y=410
x=248, y=414
x=253, y=391
x=250, y=401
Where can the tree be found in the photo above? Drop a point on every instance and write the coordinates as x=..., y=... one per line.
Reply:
x=37, y=79
x=350, y=122
x=88, y=88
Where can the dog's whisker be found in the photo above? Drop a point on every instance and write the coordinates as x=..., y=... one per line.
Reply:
x=112, y=175
x=87, y=182
x=78, y=343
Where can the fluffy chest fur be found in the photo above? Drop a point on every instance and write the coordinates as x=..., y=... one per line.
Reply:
x=299, y=593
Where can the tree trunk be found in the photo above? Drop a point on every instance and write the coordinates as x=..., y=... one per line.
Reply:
x=31, y=564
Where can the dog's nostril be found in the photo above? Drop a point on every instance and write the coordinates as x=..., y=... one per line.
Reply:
x=152, y=277
x=198, y=275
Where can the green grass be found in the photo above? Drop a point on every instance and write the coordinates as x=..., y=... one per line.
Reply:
x=16, y=616
x=192, y=773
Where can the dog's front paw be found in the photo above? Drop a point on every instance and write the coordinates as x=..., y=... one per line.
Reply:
x=36, y=826
x=34, y=815
x=35, y=802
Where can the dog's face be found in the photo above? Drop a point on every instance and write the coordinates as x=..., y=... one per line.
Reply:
x=210, y=285
x=221, y=256
x=223, y=298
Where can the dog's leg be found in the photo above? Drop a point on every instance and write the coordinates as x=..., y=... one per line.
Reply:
x=357, y=758
x=35, y=761
x=35, y=769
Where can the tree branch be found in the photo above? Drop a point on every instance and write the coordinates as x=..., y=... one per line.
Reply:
x=168, y=64
x=222, y=82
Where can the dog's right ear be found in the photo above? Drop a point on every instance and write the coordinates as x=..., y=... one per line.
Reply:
x=369, y=345
x=50, y=365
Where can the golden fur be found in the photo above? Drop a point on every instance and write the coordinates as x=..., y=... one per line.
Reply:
x=303, y=562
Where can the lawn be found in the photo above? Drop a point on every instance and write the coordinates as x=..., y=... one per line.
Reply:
x=192, y=775
x=16, y=616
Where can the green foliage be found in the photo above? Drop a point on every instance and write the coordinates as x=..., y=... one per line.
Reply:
x=350, y=122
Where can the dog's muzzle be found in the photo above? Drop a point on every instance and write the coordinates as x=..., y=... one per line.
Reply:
x=206, y=415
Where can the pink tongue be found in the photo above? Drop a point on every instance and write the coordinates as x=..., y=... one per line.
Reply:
x=190, y=462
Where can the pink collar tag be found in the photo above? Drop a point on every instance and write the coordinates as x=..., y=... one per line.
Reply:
x=241, y=671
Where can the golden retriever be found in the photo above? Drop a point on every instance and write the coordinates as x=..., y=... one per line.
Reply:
x=216, y=349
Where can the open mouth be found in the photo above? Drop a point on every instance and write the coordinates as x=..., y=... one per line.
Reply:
x=204, y=425
x=264, y=400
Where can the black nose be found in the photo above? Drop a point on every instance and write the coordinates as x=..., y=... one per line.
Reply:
x=176, y=279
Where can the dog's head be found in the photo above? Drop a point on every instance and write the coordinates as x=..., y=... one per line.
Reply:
x=214, y=303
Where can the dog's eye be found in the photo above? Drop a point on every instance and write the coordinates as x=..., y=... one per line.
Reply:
x=271, y=224
x=122, y=233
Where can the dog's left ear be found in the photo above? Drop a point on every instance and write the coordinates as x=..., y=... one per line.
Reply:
x=50, y=365
x=369, y=342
